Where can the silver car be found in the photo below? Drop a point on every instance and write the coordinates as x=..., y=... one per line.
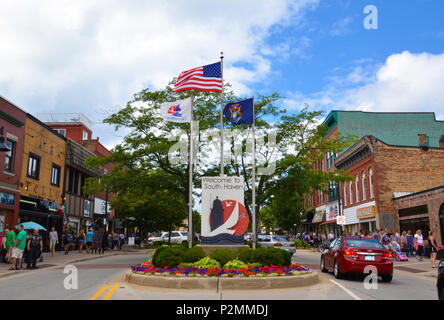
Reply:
x=279, y=242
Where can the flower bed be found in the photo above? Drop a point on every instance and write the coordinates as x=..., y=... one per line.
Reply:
x=192, y=271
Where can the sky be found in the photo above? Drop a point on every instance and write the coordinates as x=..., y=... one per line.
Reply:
x=92, y=56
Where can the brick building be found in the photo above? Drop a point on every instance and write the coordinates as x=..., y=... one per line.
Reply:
x=422, y=210
x=42, y=176
x=384, y=172
x=394, y=128
x=77, y=128
x=12, y=130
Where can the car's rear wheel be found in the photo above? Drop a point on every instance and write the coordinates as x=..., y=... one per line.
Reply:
x=337, y=271
x=323, y=269
x=387, y=277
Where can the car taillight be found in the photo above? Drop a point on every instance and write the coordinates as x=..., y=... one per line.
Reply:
x=292, y=245
x=278, y=244
x=351, y=254
x=388, y=255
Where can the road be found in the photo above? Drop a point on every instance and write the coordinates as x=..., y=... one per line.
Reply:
x=103, y=278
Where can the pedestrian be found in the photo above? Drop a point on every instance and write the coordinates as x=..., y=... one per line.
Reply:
x=419, y=245
x=53, y=240
x=104, y=241
x=385, y=239
x=35, y=248
x=19, y=247
x=410, y=243
x=116, y=240
x=122, y=240
x=376, y=235
x=10, y=238
x=81, y=240
x=403, y=243
x=331, y=236
x=89, y=240
x=110, y=241
x=4, y=249
x=67, y=241
x=433, y=248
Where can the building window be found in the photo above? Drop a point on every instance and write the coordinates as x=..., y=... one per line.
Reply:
x=364, y=195
x=85, y=135
x=10, y=156
x=370, y=179
x=345, y=194
x=33, y=166
x=328, y=160
x=62, y=132
x=55, y=175
x=350, y=191
x=357, y=188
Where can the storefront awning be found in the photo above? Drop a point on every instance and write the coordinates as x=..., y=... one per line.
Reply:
x=328, y=222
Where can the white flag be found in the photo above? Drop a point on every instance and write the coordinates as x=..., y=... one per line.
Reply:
x=177, y=111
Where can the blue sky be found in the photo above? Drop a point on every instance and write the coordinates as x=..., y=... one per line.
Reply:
x=85, y=56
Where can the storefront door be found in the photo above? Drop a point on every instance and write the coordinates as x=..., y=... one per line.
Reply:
x=415, y=224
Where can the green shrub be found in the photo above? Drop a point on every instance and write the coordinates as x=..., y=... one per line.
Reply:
x=193, y=254
x=185, y=244
x=302, y=244
x=245, y=255
x=272, y=256
x=222, y=256
x=168, y=256
x=207, y=262
x=235, y=264
x=250, y=244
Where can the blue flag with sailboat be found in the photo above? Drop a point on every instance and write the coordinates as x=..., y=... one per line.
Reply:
x=240, y=112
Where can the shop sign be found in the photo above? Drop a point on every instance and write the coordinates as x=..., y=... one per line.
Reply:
x=319, y=216
x=366, y=212
x=87, y=208
x=7, y=198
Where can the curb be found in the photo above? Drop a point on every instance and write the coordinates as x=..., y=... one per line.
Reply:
x=219, y=283
x=61, y=264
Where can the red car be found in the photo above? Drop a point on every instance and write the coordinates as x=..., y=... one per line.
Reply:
x=353, y=254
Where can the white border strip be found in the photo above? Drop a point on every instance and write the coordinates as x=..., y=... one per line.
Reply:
x=351, y=294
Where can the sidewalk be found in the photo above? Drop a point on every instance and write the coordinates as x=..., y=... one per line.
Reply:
x=60, y=259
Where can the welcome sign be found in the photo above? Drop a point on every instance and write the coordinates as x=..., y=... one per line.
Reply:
x=224, y=216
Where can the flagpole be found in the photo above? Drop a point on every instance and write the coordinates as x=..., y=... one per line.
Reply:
x=190, y=181
x=222, y=115
x=254, y=185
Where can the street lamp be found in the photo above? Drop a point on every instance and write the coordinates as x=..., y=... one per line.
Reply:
x=3, y=146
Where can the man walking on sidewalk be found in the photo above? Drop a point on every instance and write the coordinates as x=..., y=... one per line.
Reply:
x=35, y=247
x=19, y=247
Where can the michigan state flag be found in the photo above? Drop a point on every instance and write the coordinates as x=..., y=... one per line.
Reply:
x=240, y=112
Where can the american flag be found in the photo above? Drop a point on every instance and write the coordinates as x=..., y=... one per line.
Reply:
x=205, y=78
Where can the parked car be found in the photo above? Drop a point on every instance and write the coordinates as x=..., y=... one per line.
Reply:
x=176, y=237
x=440, y=281
x=353, y=254
x=280, y=242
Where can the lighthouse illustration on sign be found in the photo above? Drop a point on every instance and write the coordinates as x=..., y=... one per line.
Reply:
x=224, y=216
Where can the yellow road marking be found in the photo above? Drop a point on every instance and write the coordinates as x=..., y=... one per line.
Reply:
x=98, y=293
x=110, y=292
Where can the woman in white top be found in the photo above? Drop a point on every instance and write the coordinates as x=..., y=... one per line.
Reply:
x=418, y=242
x=53, y=240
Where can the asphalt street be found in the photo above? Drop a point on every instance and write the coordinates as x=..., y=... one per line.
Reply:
x=103, y=278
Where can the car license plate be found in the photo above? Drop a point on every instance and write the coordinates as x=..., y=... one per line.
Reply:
x=369, y=258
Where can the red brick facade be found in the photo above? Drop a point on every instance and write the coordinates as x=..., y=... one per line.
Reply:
x=12, y=119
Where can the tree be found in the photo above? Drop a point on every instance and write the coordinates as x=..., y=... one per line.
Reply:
x=299, y=142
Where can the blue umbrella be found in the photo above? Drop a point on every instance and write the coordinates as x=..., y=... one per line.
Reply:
x=32, y=225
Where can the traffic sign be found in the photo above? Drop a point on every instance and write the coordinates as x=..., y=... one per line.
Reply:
x=340, y=220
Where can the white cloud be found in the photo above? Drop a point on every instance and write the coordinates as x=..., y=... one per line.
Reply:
x=405, y=82
x=94, y=54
